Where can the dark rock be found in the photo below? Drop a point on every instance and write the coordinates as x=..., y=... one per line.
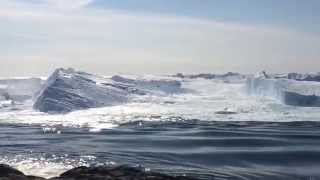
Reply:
x=169, y=102
x=35, y=178
x=6, y=170
x=115, y=173
x=94, y=173
x=225, y=112
x=179, y=75
x=9, y=173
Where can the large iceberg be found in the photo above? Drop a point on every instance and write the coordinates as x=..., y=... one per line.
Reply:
x=288, y=91
x=67, y=90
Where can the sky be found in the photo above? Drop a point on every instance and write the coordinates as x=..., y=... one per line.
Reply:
x=159, y=36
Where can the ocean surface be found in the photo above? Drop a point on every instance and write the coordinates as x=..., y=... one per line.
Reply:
x=212, y=131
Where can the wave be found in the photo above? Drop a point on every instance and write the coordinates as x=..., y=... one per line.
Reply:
x=207, y=149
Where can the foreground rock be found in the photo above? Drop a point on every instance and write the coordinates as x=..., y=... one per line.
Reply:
x=68, y=90
x=93, y=173
x=9, y=173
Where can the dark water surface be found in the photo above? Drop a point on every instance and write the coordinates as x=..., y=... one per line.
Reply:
x=209, y=150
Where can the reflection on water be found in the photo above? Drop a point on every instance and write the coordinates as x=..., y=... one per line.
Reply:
x=223, y=150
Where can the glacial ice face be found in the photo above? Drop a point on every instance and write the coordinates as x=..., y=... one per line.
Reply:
x=287, y=91
x=19, y=89
x=69, y=90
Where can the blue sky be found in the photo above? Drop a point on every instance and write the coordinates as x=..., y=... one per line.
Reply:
x=297, y=14
x=159, y=36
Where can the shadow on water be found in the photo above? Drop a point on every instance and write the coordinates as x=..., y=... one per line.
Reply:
x=209, y=150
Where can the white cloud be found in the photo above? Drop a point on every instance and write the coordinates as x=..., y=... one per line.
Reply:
x=68, y=4
x=108, y=41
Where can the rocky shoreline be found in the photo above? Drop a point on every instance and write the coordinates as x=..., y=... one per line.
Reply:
x=93, y=173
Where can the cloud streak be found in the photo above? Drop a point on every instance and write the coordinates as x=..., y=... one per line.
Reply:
x=108, y=41
x=68, y=4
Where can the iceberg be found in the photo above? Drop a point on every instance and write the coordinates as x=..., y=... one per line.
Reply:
x=304, y=77
x=19, y=89
x=288, y=91
x=150, y=84
x=296, y=76
x=209, y=76
x=68, y=90
x=229, y=77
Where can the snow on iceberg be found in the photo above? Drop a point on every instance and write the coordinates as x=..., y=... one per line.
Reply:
x=67, y=90
x=287, y=91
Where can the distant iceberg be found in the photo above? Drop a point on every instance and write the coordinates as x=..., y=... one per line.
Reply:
x=305, y=77
x=68, y=90
x=297, y=76
x=151, y=84
x=287, y=90
x=229, y=77
x=19, y=89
